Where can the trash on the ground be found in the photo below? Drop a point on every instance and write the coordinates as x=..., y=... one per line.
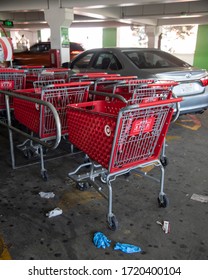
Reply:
x=200, y=198
x=55, y=212
x=100, y=240
x=127, y=248
x=165, y=226
x=46, y=194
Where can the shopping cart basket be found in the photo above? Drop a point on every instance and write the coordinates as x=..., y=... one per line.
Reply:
x=141, y=91
x=121, y=85
x=39, y=120
x=10, y=79
x=43, y=74
x=38, y=85
x=54, y=73
x=31, y=70
x=118, y=140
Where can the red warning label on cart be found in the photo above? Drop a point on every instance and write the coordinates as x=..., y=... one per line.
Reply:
x=6, y=85
x=144, y=125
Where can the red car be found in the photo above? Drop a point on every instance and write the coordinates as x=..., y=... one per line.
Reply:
x=39, y=54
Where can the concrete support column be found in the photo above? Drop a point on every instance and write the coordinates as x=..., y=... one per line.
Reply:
x=158, y=37
x=201, y=50
x=152, y=36
x=59, y=20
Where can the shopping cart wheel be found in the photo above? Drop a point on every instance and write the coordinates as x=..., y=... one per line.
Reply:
x=103, y=178
x=163, y=201
x=126, y=175
x=83, y=186
x=27, y=154
x=44, y=175
x=164, y=161
x=112, y=222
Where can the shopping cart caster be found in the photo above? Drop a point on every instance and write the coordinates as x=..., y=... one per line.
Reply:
x=103, y=178
x=83, y=186
x=164, y=161
x=127, y=175
x=112, y=222
x=163, y=201
x=27, y=154
x=44, y=175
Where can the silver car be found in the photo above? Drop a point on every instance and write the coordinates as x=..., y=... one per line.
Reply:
x=150, y=64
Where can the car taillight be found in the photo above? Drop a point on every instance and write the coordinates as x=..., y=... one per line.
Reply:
x=75, y=52
x=204, y=81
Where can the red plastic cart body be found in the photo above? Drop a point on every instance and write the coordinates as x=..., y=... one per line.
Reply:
x=35, y=73
x=38, y=118
x=119, y=137
x=11, y=79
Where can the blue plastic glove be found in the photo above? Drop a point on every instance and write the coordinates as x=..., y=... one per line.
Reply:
x=127, y=248
x=100, y=240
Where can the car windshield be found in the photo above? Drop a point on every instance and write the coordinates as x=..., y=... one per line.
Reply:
x=154, y=59
x=38, y=48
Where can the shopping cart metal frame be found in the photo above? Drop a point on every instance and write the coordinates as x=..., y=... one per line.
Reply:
x=12, y=128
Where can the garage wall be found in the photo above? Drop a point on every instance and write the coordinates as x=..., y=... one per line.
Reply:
x=201, y=51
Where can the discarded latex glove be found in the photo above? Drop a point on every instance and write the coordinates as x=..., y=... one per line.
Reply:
x=100, y=240
x=55, y=212
x=127, y=248
x=46, y=194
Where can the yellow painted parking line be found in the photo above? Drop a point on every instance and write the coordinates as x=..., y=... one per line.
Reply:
x=4, y=253
x=170, y=138
x=145, y=170
x=150, y=167
x=75, y=196
x=195, y=123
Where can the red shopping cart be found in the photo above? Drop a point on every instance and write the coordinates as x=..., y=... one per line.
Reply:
x=39, y=73
x=11, y=79
x=31, y=70
x=79, y=77
x=38, y=85
x=31, y=73
x=140, y=91
x=119, y=138
x=39, y=120
x=54, y=73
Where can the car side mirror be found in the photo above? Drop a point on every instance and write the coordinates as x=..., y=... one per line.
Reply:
x=66, y=65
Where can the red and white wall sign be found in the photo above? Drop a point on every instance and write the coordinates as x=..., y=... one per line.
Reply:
x=6, y=50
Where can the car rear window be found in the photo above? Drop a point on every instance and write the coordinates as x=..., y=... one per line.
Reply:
x=76, y=47
x=41, y=47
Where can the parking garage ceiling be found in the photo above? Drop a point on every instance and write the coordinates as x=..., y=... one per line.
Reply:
x=29, y=14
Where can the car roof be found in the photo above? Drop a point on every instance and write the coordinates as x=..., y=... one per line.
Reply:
x=48, y=43
x=123, y=49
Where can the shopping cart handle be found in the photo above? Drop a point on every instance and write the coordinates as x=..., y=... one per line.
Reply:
x=177, y=109
x=109, y=95
x=163, y=84
x=160, y=102
x=72, y=84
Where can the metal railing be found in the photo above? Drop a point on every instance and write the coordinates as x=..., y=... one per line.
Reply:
x=7, y=122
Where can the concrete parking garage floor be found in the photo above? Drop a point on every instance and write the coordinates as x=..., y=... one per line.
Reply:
x=27, y=233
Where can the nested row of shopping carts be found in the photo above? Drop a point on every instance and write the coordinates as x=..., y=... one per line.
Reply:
x=118, y=123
